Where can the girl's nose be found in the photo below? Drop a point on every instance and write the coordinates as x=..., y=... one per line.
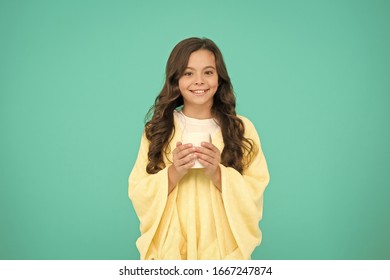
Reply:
x=199, y=80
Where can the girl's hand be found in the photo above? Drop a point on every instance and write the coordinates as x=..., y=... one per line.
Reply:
x=183, y=159
x=210, y=157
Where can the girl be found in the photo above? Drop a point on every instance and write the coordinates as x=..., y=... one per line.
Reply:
x=210, y=212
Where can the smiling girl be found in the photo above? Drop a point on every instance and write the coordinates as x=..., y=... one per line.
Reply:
x=210, y=212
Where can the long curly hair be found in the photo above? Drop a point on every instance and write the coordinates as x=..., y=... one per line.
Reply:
x=159, y=130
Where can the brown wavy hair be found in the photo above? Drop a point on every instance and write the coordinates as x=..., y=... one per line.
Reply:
x=238, y=150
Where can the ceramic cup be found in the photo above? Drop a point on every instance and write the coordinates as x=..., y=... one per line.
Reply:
x=196, y=138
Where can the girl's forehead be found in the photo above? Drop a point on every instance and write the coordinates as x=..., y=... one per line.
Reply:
x=201, y=57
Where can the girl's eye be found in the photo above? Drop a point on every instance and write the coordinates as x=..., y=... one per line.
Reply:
x=209, y=72
x=187, y=74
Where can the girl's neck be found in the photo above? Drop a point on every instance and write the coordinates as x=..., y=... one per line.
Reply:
x=197, y=113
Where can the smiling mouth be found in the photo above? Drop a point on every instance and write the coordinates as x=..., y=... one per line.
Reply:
x=200, y=91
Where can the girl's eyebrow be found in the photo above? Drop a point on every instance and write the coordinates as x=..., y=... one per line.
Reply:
x=203, y=67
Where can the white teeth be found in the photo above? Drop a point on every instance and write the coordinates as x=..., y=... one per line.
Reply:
x=199, y=91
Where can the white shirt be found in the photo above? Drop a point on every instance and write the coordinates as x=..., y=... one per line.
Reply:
x=192, y=125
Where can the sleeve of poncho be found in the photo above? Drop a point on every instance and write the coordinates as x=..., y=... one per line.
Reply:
x=242, y=196
x=148, y=193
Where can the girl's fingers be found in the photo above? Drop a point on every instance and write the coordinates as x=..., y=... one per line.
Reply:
x=208, y=159
x=210, y=155
x=184, y=156
x=205, y=164
x=209, y=146
x=185, y=153
x=189, y=164
x=185, y=160
x=180, y=147
x=182, y=150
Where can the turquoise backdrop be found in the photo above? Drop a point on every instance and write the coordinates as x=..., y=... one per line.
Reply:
x=77, y=78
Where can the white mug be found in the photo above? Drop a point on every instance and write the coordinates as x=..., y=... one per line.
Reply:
x=196, y=138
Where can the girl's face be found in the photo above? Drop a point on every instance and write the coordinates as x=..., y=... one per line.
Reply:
x=199, y=82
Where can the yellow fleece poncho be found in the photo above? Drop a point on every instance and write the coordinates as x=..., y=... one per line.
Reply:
x=196, y=220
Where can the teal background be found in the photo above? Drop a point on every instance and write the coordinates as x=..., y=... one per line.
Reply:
x=77, y=78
